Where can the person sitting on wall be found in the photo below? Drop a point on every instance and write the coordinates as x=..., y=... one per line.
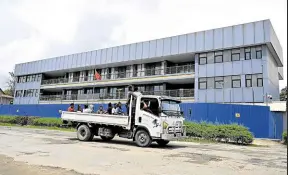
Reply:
x=100, y=110
x=71, y=108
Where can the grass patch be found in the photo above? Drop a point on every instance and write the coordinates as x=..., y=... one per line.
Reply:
x=232, y=133
x=284, y=138
x=38, y=127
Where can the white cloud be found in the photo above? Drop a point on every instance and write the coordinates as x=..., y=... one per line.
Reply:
x=38, y=29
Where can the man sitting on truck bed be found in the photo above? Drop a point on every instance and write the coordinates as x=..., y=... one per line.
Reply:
x=101, y=110
x=88, y=109
x=71, y=108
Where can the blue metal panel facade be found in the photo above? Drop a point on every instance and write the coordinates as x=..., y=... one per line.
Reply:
x=260, y=121
x=275, y=125
x=256, y=118
x=221, y=38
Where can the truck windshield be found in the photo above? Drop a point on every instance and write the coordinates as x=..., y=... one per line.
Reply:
x=170, y=107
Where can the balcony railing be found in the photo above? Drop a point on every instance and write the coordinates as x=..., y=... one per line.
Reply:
x=180, y=93
x=127, y=74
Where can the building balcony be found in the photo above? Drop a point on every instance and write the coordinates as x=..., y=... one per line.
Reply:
x=123, y=78
x=179, y=94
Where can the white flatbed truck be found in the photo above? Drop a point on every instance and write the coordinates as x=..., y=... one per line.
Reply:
x=162, y=123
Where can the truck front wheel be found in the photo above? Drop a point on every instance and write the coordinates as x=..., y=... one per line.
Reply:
x=84, y=133
x=143, y=138
x=162, y=142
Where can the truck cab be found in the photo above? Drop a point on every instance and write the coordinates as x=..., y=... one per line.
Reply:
x=160, y=116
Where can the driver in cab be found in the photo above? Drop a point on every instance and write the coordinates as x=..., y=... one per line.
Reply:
x=145, y=107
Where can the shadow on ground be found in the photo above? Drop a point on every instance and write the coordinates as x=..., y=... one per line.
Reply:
x=131, y=143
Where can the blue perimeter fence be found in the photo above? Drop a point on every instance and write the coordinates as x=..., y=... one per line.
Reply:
x=260, y=121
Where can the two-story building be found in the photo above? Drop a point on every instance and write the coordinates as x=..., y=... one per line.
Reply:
x=241, y=63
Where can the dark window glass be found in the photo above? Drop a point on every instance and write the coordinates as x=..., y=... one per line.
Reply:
x=259, y=82
x=203, y=58
x=259, y=54
x=202, y=83
x=235, y=56
x=219, y=82
x=236, y=81
x=219, y=59
x=248, y=80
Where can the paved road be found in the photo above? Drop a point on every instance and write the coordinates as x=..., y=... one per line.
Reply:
x=32, y=152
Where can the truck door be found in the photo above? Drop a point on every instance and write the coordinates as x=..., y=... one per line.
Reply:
x=148, y=115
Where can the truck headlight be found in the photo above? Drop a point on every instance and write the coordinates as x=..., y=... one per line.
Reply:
x=165, y=125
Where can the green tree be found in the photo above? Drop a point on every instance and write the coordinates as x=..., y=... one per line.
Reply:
x=10, y=84
x=283, y=94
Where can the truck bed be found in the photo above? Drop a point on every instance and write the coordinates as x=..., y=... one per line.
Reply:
x=116, y=120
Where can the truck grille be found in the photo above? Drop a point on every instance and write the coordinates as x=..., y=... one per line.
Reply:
x=175, y=129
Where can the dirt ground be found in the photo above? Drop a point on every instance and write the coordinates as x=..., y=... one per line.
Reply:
x=43, y=152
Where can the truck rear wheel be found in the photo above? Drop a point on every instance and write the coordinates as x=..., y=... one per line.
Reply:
x=84, y=133
x=143, y=138
x=162, y=142
x=106, y=138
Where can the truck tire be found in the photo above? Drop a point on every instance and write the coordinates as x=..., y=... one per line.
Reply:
x=84, y=133
x=162, y=142
x=105, y=138
x=143, y=138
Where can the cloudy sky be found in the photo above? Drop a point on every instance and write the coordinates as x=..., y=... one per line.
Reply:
x=37, y=29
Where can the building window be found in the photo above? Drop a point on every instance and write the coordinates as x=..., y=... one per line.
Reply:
x=259, y=80
x=219, y=82
x=247, y=54
x=25, y=93
x=203, y=58
x=29, y=78
x=259, y=52
x=236, y=81
x=235, y=55
x=121, y=72
x=18, y=93
x=35, y=92
x=202, y=83
x=218, y=57
x=23, y=79
x=38, y=77
x=33, y=77
x=248, y=80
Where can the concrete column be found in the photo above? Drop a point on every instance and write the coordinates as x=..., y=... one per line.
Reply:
x=82, y=76
x=196, y=97
x=164, y=86
x=129, y=71
x=139, y=70
x=113, y=73
x=103, y=73
x=70, y=77
x=163, y=67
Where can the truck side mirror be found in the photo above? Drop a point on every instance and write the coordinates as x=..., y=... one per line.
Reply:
x=182, y=113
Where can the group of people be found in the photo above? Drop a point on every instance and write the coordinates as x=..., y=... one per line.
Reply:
x=116, y=109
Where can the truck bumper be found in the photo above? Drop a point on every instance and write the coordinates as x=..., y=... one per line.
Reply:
x=173, y=136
